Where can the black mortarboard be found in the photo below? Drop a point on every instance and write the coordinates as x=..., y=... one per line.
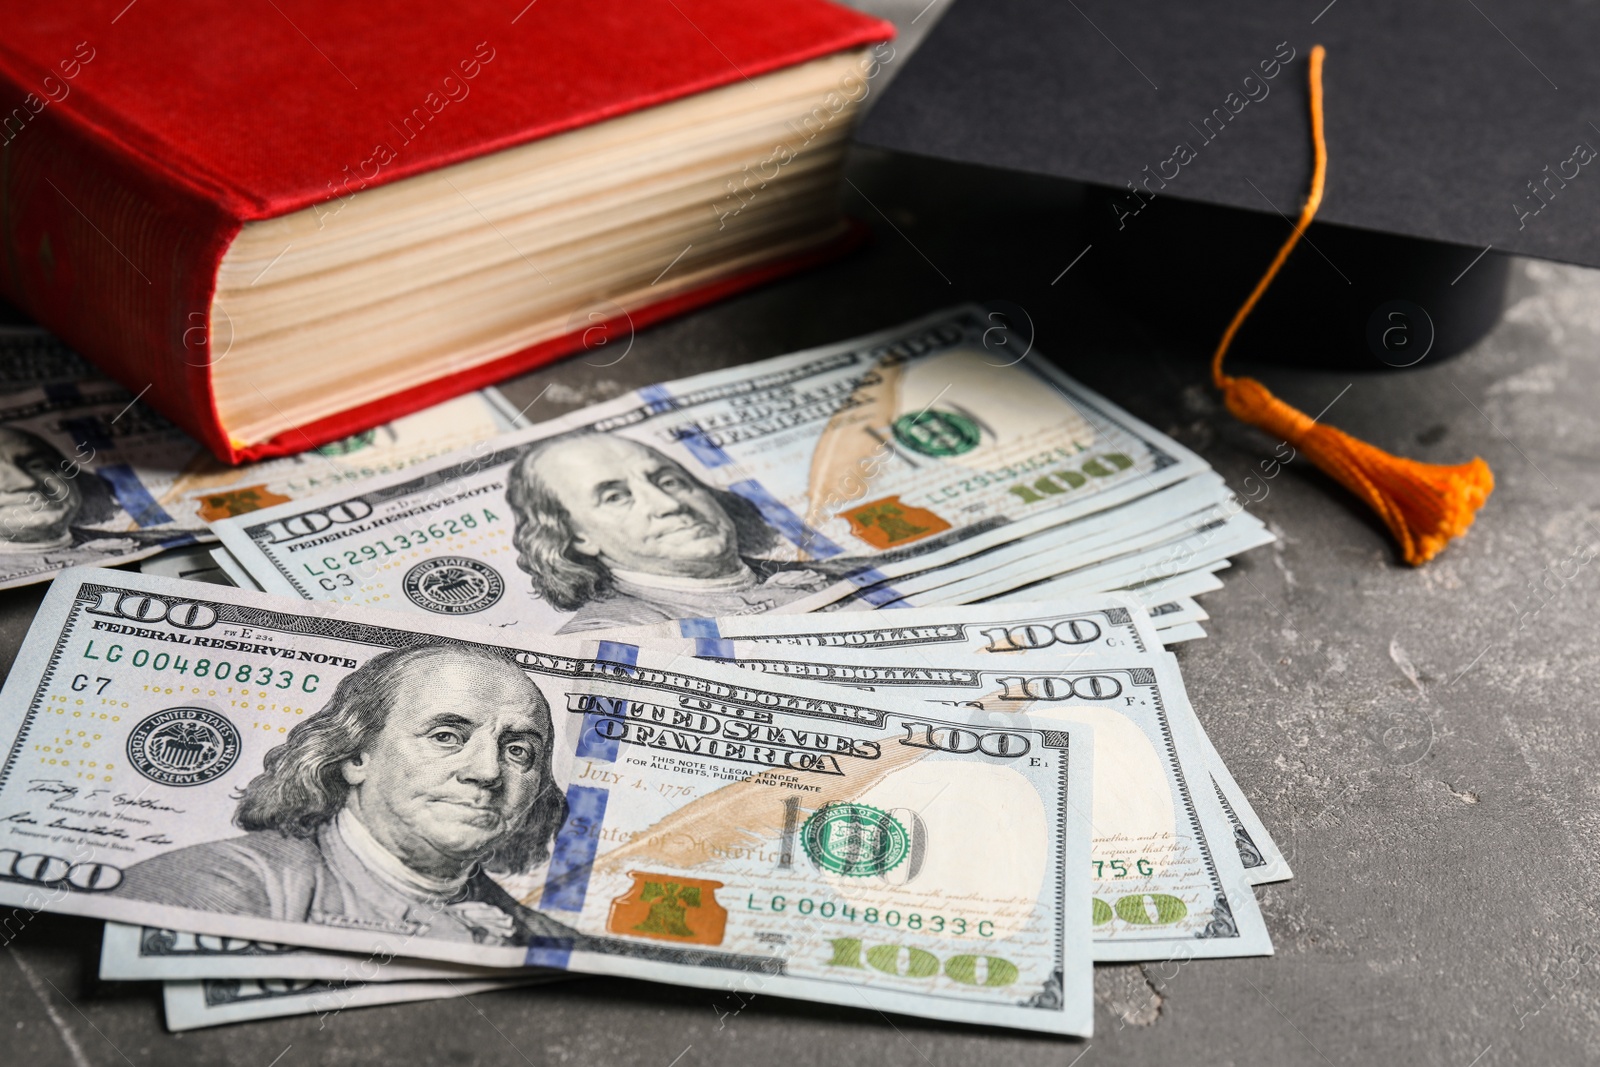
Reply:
x=1453, y=127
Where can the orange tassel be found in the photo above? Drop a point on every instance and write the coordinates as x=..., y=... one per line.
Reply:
x=1423, y=504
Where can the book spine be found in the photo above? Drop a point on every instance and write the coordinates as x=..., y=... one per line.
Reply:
x=109, y=253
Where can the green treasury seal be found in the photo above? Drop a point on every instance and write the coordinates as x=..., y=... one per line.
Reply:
x=937, y=433
x=856, y=840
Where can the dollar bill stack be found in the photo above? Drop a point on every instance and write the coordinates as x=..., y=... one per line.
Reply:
x=491, y=796
x=88, y=475
x=918, y=467
x=842, y=676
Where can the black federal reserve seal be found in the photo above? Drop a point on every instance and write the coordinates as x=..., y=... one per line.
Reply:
x=453, y=585
x=183, y=746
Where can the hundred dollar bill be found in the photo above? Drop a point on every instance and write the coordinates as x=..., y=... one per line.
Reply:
x=1177, y=635
x=778, y=484
x=192, y=563
x=1167, y=873
x=1109, y=555
x=1113, y=559
x=1203, y=548
x=208, y=490
x=214, y=563
x=1193, y=550
x=1177, y=611
x=194, y=757
x=1107, y=625
x=1258, y=853
x=216, y=1001
x=238, y=576
x=1188, y=583
x=142, y=953
x=1046, y=552
x=70, y=488
x=1099, y=624
x=89, y=475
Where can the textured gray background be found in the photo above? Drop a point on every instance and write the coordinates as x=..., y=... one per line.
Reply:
x=1420, y=741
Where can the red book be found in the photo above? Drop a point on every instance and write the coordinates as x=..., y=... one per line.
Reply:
x=460, y=191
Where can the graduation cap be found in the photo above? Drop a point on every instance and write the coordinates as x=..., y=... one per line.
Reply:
x=1455, y=133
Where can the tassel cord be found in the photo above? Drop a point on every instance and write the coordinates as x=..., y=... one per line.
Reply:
x=1423, y=505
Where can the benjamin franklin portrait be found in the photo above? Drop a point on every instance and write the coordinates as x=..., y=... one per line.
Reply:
x=387, y=811
x=45, y=500
x=622, y=535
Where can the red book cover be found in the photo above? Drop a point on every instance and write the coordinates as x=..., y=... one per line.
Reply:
x=137, y=138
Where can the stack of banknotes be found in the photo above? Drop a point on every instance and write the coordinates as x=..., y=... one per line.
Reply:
x=841, y=676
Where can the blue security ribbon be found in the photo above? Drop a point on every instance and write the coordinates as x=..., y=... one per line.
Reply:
x=592, y=744
x=134, y=498
x=708, y=640
x=567, y=880
x=786, y=522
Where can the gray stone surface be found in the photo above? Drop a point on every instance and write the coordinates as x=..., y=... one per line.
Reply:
x=1421, y=742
